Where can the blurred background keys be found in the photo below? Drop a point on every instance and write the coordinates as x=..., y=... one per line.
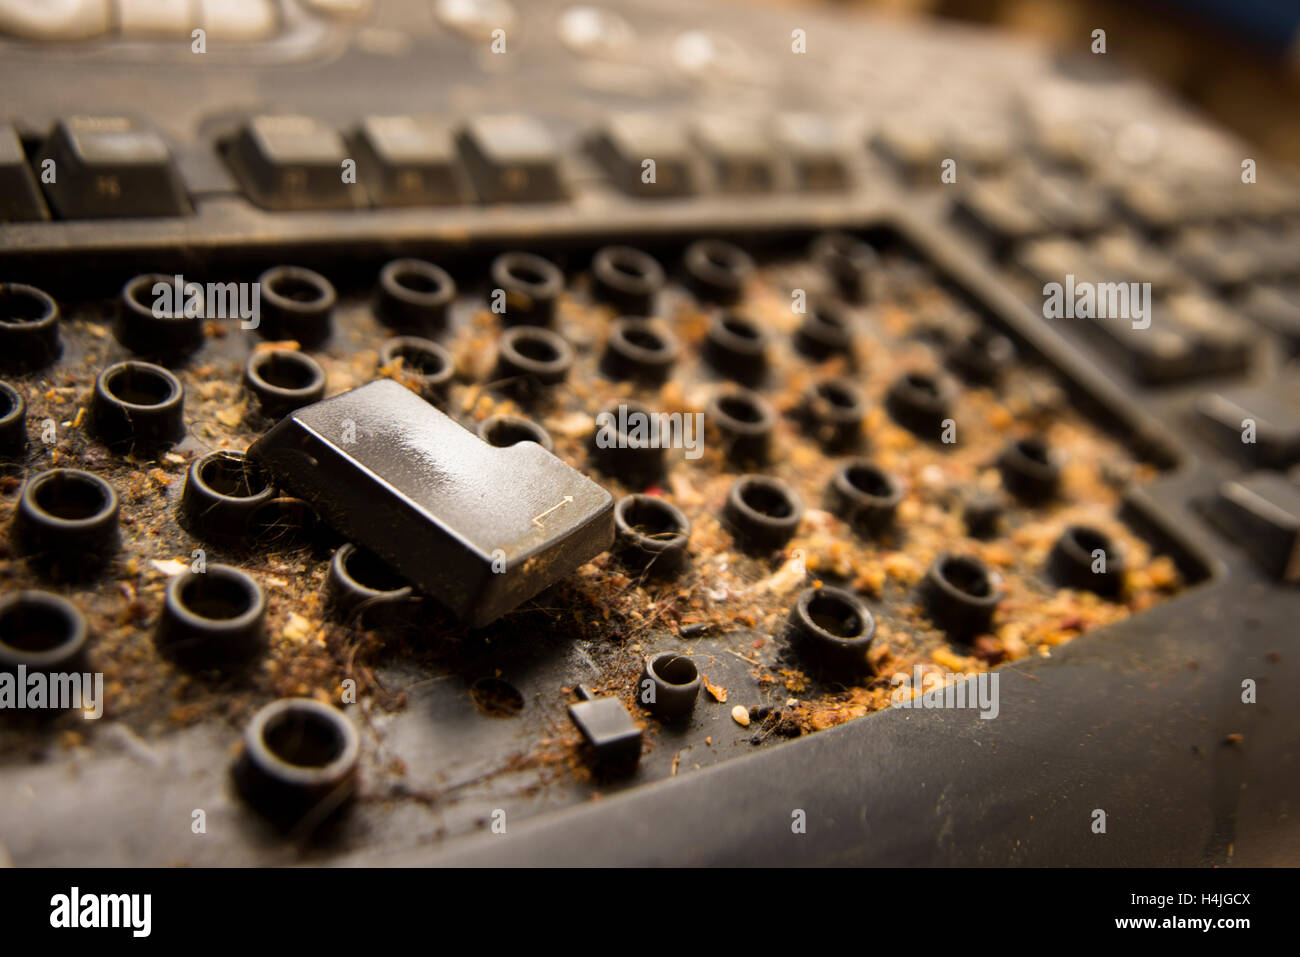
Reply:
x=54, y=20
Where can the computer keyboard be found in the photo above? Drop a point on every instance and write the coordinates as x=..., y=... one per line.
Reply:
x=551, y=403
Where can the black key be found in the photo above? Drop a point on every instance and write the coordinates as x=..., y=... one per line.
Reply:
x=1259, y=424
x=409, y=161
x=995, y=211
x=511, y=159
x=739, y=152
x=294, y=162
x=479, y=528
x=1162, y=353
x=1278, y=311
x=1274, y=248
x=1063, y=144
x=917, y=146
x=1190, y=336
x=914, y=150
x=1224, y=343
x=817, y=148
x=1163, y=204
x=1151, y=203
x=1179, y=336
x=1261, y=512
x=108, y=166
x=625, y=143
x=610, y=731
x=1052, y=259
x=1123, y=253
x=20, y=200
x=1215, y=254
x=1023, y=204
x=977, y=142
x=1068, y=204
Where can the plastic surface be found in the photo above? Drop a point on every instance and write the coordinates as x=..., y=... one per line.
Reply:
x=495, y=526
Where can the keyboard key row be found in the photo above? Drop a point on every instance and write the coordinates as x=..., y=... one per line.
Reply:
x=97, y=166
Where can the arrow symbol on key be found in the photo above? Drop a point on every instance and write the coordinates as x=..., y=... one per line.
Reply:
x=537, y=519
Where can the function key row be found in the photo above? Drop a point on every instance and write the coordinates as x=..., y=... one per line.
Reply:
x=297, y=162
x=92, y=167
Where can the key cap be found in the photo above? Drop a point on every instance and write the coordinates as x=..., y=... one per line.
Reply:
x=511, y=159
x=1258, y=423
x=626, y=142
x=20, y=200
x=293, y=162
x=915, y=150
x=106, y=166
x=1277, y=309
x=817, y=148
x=995, y=212
x=1261, y=512
x=480, y=528
x=740, y=153
x=613, y=735
x=409, y=161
